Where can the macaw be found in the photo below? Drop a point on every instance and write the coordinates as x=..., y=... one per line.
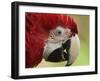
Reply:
x=53, y=37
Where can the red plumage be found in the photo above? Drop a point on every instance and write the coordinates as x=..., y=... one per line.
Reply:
x=38, y=26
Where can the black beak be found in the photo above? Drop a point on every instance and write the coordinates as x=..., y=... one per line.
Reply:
x=61, y=54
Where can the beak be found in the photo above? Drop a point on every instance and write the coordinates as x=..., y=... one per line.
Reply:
x=74, y=50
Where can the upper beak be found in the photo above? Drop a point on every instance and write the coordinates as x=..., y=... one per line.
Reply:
x=74, y=50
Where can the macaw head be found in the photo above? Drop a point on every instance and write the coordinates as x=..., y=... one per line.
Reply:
x=50, y=37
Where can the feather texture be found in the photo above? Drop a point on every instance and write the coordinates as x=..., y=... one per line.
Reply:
x=38, y=26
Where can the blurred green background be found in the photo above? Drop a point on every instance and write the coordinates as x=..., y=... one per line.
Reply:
x=83, y=25
x=83, y=58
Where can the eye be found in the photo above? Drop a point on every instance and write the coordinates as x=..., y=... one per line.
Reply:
x=58, y=33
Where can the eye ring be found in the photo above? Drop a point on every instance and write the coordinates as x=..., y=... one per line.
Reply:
x=58, y=33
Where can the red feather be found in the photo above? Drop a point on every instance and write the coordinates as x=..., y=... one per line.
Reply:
x=38, y=26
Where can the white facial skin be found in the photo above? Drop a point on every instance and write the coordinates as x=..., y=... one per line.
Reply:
x=56, y=39
x=59, y=34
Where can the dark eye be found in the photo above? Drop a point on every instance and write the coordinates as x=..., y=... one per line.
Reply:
x=58, y=33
